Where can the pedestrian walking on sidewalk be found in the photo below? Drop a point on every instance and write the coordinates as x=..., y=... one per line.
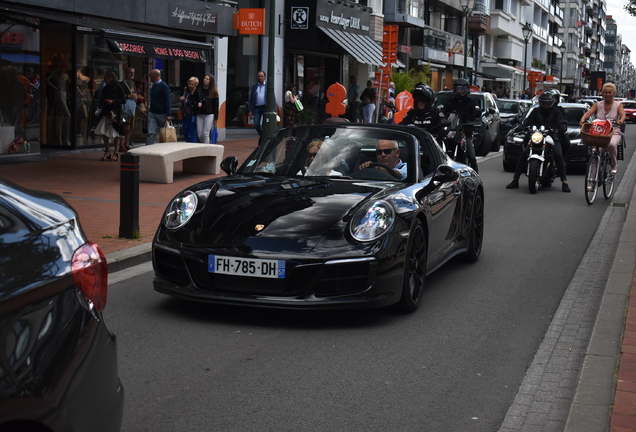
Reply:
x=111, y=100
x=128, y=86
x=189, y=109
x=258, y=101
x=208, y=104
x=159, y=111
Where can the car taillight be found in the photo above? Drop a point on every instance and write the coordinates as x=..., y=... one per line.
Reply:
x=90, y=273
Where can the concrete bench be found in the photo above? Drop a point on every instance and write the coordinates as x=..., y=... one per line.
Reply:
x=156, y=161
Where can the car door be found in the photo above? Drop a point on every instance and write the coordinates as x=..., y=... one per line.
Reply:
x=493, y=116
x=441, y=199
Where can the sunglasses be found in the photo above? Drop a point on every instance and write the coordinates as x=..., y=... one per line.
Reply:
x=385, y=151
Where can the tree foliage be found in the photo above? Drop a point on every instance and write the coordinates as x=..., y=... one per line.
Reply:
x=631, y=7
x=407, y=80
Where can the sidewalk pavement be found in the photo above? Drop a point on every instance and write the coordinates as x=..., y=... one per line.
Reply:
x=605, y=398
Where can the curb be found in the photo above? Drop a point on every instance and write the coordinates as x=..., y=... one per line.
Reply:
x=129, y=257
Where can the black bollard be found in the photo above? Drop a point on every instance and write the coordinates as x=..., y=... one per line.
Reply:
x=129, y=197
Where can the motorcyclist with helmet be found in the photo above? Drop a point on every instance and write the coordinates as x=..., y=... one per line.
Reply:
x=468, y=113
x=563, y=137
x=423, y=114
x=550, y=116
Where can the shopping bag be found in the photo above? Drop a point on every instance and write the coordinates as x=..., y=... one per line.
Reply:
x=168, y=134
x=214, y=135
x=130, y=107
x=299, y=105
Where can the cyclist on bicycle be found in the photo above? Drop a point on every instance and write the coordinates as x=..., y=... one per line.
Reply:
x=609, y=109
x=423, y=114
x=551, y=117
x=461, y=104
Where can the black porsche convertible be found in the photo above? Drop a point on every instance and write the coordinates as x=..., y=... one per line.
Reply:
x=313, y=218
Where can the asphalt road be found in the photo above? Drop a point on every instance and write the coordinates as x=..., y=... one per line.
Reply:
x=454, y=365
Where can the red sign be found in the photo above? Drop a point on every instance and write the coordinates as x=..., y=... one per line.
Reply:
x=250, y=21
x=12, y=38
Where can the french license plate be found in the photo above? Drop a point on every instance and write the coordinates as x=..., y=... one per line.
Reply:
x=274, y=269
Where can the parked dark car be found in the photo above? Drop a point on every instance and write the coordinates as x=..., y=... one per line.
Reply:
x=511, y=111
x=488, y=137
x=58, y=367
x=290, y=230
x=630, y=110
x=577, y=156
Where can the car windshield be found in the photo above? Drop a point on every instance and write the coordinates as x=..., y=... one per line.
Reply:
x=443, y=97
x=573, y=114
x=630, y=105
x=507, y=107
x=334, y=151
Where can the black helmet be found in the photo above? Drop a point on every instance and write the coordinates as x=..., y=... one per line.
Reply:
x=546, y=100
x=423, y=93
x=556, y=93
x=461, y=87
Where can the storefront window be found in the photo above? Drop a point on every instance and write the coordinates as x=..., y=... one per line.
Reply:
x=19, y=85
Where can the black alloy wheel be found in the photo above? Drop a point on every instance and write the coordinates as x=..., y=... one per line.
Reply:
x=476, y=229
x=414, y=278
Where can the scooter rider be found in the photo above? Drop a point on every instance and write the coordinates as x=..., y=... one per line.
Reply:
x=461, y=104
x=551, y=117
x=424, y=114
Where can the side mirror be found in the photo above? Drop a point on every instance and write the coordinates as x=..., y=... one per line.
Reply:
x=444, y=174
x=229, y=165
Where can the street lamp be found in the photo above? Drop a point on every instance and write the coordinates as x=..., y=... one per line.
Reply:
x=527, y=34
x=563, y=49
x=467, y=8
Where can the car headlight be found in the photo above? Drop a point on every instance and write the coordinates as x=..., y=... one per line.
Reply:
x=372, y=222
x=180, y=210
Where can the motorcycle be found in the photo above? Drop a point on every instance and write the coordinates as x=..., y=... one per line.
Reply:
x=541, y=168
x=453, y=138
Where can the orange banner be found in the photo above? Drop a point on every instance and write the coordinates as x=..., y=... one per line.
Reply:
x=250, y=21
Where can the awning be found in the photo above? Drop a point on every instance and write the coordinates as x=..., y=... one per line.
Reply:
x=501, y=70
x=21, y=58
x=138, y=45
x=126, y=40
x=361, y=47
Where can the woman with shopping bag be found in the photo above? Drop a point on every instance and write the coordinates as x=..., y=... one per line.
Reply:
x=208, y=105
x=291, y=116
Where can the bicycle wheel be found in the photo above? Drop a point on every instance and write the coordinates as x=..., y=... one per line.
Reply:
x=606, y=176
x=591, y=177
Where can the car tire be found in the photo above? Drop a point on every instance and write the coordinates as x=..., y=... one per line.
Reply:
x=509, y=167
x=476, y=229
x=485, y=145
x=496, y=143
x=414, y=278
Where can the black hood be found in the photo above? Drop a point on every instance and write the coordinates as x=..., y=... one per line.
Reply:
x=274, y=207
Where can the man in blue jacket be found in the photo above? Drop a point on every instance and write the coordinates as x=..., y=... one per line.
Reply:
x=258, y=101
x=160, y=108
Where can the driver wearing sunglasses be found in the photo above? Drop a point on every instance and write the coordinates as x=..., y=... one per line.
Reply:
x=388, y=153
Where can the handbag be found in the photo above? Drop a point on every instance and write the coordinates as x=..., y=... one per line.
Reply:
x=299, y=105
x=168, y=133
x=124, y=118
x=214, y=135
x=111, y=117
x=130, y=107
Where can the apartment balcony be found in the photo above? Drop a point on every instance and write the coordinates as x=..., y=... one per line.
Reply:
x=502, y=24
x=479, y=24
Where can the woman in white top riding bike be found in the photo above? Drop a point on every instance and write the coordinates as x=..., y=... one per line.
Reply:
x=609, y=109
